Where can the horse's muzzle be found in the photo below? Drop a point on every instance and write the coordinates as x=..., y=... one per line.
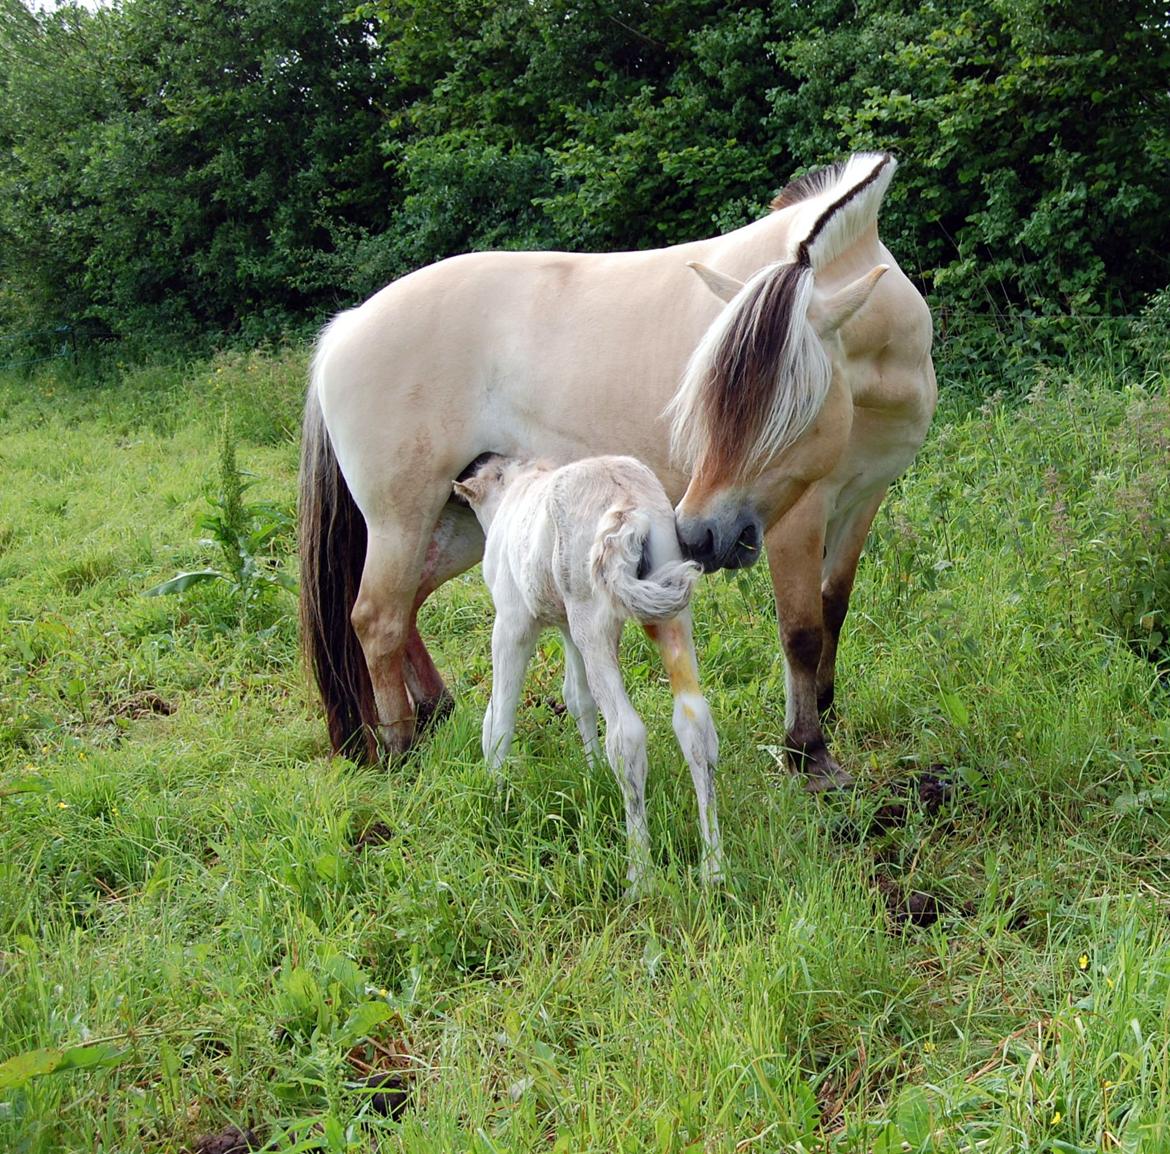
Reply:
x=717, y=543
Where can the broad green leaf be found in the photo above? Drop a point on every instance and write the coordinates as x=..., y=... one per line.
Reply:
x=330, y=867
x=913, y=1115
x=363, y=1019
x=302, y=988
x=18, y=1070
x=954, y=708
x=184, y=581
x=85, y=1057
x=806, y=1113
x=1145, y=799
x=22, y=1068
x=889, y=1141
x=31, y=784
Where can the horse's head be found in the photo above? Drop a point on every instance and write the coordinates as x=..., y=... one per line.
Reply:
x=751, y=420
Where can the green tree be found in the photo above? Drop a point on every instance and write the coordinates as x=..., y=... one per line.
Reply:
x=1036, y=135
x=211, y=166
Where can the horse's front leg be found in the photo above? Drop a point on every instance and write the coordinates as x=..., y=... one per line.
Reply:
x=796, y=545
x=843, y=551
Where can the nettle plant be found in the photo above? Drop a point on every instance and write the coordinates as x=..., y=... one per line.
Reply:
x=247, y=535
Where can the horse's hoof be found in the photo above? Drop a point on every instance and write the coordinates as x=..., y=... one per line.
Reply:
x=827, y=778
x=394, y=744
x=430, y=713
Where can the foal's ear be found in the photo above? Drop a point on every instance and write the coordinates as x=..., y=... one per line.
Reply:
x=723, y=286
x=828, y=314
x=470, y=490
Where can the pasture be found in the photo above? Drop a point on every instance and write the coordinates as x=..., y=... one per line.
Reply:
x=205, y=922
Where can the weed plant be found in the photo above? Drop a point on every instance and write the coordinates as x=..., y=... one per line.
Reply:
x=206, y=922
x=247, y=535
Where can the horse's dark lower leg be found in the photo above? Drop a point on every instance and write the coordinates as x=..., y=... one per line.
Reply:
x=834, y=607
x=433, y=702
x=795, y=549
x=840, y=569
x=808, y=753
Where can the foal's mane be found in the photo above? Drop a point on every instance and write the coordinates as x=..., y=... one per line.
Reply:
x=760, y=374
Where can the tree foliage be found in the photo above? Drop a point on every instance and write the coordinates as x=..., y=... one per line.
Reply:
x=195, y=167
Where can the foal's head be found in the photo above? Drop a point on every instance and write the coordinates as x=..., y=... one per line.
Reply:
x=485, y=481
x=747, y=418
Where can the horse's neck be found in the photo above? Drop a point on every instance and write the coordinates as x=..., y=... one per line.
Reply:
x=744, y=251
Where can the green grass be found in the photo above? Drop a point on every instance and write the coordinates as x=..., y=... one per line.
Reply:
x=204, y=920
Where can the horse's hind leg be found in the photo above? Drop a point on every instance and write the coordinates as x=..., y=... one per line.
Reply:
x=843, y=551
x=382, y=618
x=429, y=694
x=694, y=729
x=456, y=544
x=514, y=637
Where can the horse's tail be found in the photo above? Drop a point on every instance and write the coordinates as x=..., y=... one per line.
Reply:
x=332, y=540
x=621, y=550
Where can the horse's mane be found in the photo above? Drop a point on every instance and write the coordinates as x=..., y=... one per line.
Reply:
x=757, y=379
x=835, y=204
x=760, y=374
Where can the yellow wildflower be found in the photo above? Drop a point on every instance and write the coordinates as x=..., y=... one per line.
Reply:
x=1083, y=962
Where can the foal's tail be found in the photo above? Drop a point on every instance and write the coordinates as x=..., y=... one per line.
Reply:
x=332, y=539
x=623, y=540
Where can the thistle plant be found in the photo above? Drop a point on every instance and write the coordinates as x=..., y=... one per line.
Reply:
x=244, y=532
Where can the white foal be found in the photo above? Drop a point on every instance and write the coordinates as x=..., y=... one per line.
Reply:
x=585, y=547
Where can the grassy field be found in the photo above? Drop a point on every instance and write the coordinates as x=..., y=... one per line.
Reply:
x=206, y=923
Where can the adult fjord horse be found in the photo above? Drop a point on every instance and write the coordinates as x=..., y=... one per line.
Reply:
x=803, y=400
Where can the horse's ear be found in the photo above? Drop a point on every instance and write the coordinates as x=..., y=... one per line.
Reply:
x=723, y=286
x=828, y=314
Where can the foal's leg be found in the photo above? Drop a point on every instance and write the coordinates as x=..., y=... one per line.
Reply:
x=694, y=730
x=596, y=634
x=796, y=545
x=578, y=700
x=514, y=637
x=840, y=568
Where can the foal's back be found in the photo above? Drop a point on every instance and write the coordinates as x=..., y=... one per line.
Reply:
x=579, y=497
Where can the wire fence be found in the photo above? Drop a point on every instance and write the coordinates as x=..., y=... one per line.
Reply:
x=60, y=341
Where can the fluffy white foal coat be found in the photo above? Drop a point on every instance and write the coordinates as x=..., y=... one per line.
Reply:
x=586, y=547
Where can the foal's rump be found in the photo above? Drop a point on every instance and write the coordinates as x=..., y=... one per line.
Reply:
x=622, y=563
